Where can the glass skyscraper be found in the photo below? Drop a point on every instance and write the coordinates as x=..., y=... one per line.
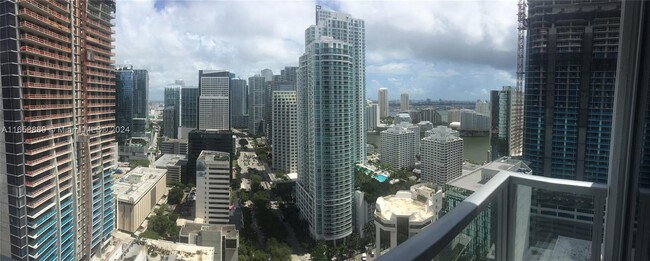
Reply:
x=124, y=101
x=331, y=99
x=239, y=102
x=131, y=90
x=171, y=113
x=189, y=107
x=570, y=75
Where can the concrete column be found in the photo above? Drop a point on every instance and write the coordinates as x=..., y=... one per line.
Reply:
x=377, y=240
x=393, y=239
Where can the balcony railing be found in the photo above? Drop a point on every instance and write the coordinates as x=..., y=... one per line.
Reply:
x=503, y=220
x=42, y=42
x=44, y=9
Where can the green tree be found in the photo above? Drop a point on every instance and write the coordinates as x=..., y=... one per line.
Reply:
x=277, y=250
x=261, y=200
x=256, y=183
x=150, y=234
x=320, y=252
x=176, y=184
x=243, y=196
x=161, y=210
x=139, y=163
x=243, y=142
x=368, y=233
x=175, y=196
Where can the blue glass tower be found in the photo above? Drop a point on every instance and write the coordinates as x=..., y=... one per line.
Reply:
x=570, y=76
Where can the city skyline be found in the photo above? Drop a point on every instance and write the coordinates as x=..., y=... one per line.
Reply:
x=482, y=57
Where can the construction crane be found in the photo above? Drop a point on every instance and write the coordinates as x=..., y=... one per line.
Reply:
x=521, y=35
x=517, y=110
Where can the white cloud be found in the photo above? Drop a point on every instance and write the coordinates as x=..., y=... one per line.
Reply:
x=424, y=46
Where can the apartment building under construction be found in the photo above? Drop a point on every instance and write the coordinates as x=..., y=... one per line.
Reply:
x=58, y=120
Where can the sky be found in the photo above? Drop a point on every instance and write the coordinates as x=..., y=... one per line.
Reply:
x=450, y=50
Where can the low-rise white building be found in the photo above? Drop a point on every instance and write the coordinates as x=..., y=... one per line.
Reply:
x=137, y=194
x=224, y=239
x=174, y=164
x=406, y=213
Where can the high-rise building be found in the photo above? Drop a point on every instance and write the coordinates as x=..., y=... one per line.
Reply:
x=372, y=116
x=189, y=108
x=506, y=138
x=398, y=146
x=471, y=121
x=402, y=117
x=267, y=74
x=171, y=112
x=213, y=187
x=441, y=156
x=239, y=103
x=404, y=102
x=276, y=85
x=200, y=140
x=131, y=89
x=483, y=107
x=140, y=93
x=169, y=128
x=58, y=149
x=331, y=134
x=214, y=100
x=289, y=73
x=429, y=115
x=256, y=104
x=285, y=129
x=124, y=102
x=573, y=96
x=383, y=103
x=453, y=115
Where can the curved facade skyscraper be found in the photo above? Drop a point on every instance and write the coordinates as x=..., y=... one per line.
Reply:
x=331, y=134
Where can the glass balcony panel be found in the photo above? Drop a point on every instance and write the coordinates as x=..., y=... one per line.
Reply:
x=478, y=239
x=554, y=225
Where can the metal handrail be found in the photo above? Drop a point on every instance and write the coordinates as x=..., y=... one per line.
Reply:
x=432, y=240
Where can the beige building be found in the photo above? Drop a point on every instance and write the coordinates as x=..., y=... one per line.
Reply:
x=174, y=164
x=406, y=213
x=137, y=194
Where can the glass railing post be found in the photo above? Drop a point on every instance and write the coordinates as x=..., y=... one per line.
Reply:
x=597, y=233
x=503, y=216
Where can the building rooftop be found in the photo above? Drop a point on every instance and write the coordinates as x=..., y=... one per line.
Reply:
x=401, y=128
x=168, y=160
x=175, y=140
x=131, y=187
x=442, y=133
x=227, y=230
x=213, y=155
x=414, y=203
x=475, y=179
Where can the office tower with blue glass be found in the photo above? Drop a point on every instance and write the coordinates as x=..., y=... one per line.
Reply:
x=171, y=112
x=58, y=151
x=330, y=120
x=189, y=107
x=131, y=90
x=239, y=103
x=256, y=105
